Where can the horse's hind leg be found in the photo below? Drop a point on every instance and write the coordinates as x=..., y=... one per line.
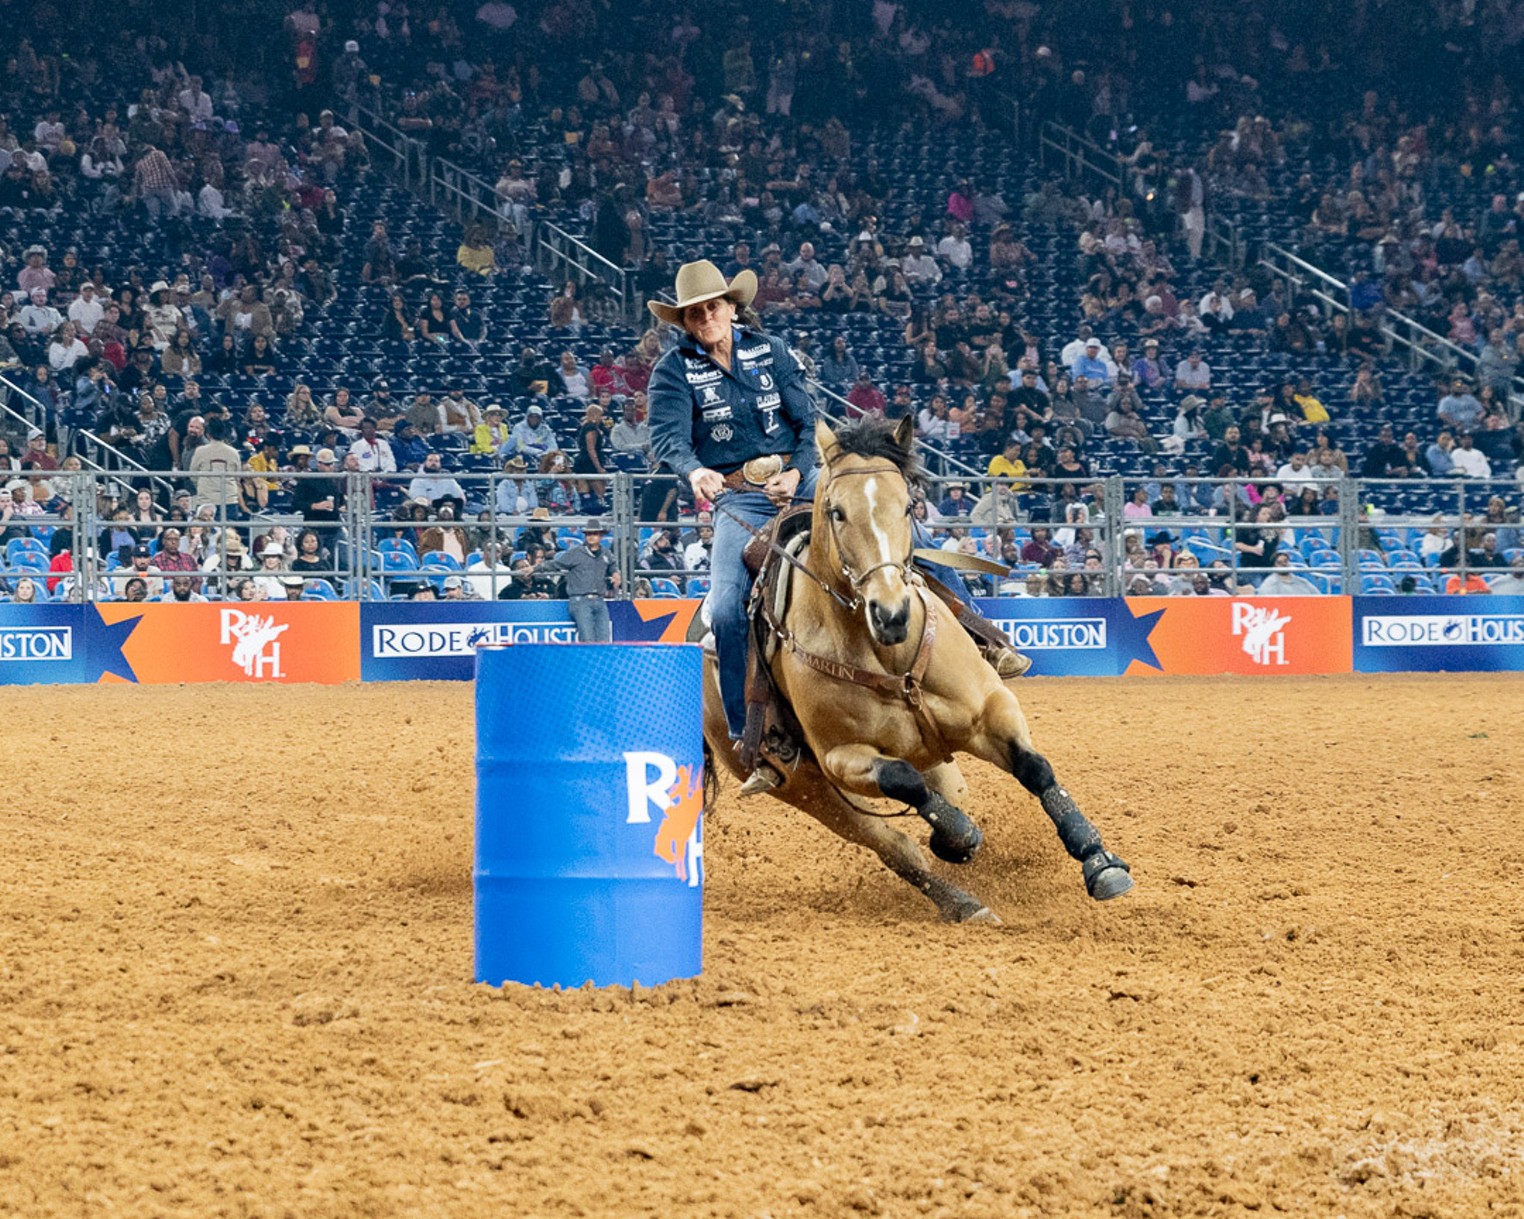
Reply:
x=901, y=855
x=862, y=769
x=1007, y=743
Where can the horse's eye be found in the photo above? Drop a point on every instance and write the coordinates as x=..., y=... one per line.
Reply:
x=837, y=514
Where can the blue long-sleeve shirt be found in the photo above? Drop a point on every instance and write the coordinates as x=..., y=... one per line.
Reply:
x=703, y=415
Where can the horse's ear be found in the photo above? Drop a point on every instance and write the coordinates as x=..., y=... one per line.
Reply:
x=825, y=441
x=904, y=433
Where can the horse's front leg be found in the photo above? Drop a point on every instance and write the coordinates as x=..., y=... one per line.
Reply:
x=862, y=769
x=1005, y=741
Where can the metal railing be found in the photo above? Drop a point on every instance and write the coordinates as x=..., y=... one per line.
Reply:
x=1079, y=155
x=1423, y=346
x=409, y=155
x=565, y=254
x=459, y=191
x=370, y=537
x=94, y=452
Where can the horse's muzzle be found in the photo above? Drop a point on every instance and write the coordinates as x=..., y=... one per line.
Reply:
x=889, y=625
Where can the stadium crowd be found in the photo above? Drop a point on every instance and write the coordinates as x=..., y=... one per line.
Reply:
x=185, y=253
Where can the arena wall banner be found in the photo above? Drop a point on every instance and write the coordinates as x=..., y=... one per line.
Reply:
x=1438, y=634
x=47, y=644
x=314, y=641
x=437, y=640
x=1074, y=636
x=266, y=641
x=1250, y=635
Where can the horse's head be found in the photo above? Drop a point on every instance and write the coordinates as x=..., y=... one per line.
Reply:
x=863, y=506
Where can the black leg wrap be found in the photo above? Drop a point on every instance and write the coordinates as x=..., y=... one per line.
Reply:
x=901, y=781
x=954, y=836
x=1079, y=837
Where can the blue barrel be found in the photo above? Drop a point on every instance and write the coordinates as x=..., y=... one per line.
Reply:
x=589, y=811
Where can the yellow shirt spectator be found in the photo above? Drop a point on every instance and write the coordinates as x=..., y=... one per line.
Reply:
x=1002, y=466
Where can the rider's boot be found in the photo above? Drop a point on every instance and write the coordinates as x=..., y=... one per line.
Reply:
x=1005, y=660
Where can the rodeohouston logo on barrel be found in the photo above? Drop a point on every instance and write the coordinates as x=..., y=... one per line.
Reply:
x=654, y=781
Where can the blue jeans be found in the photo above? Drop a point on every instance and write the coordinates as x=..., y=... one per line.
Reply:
x=730, y=587
x=591, y=614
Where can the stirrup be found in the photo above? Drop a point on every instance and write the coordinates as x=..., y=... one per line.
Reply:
x=764, y=778
x=1008, y=662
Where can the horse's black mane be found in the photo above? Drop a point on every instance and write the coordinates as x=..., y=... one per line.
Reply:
x=873, y=436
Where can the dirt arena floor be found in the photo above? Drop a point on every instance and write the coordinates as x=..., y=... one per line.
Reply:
x=235, y=957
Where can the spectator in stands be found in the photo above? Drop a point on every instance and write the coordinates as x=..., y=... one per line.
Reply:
x=433, y=320
x=492, y=433
x=475, y=253
x=839, y=369
x=629, y=435
x=321, y=498
x=1511, y=585
x=458, y=415
x=955, y=502
x=1459, y=409
x=433, y=486
x=918, y=267
x=371, y=450
x=517, y=494
x=1471, y=584
x=1124, y=419
x=572, y=379
x=531, y=437
x=344, y=413
x=1282, y=582
x=1091, y=365
x=1468, y=461
x=1386, y=459
x=865, y=398
x=592, y=444
x=1193, y=374
x=212, y=462
x=467, y=326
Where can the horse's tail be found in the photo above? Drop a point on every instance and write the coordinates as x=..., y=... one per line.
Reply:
x=711, y=780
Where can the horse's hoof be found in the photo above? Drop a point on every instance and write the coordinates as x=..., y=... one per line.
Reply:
x=761, y=780
x=1106, y=876
x=957, y=847
x=967, y=910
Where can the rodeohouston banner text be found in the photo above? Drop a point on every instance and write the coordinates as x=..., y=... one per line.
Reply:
x=1070, y=636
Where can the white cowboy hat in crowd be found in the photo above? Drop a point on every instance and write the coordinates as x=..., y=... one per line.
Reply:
x=703, y=281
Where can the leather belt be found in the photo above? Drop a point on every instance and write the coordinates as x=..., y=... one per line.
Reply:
x=754, y=474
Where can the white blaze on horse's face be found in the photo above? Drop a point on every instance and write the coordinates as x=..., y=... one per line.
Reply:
x=871, y=521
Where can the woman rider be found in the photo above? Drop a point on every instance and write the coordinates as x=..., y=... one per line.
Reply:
x=730, y=414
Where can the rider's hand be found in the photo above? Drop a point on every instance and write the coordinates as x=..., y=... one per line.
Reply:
x=706, y=483
x=780, y=487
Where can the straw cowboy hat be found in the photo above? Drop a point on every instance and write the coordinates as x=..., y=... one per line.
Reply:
x=703, y=281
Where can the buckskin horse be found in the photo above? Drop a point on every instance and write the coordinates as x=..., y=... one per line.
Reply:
x=883, y=685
